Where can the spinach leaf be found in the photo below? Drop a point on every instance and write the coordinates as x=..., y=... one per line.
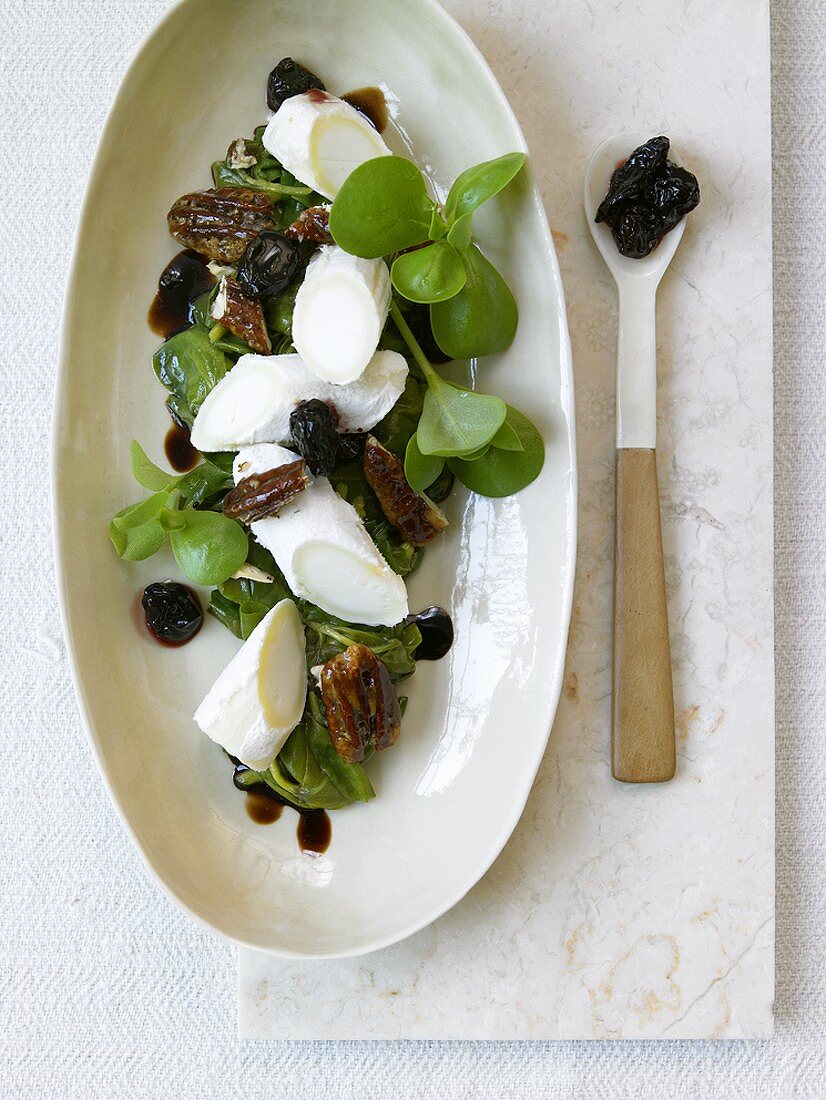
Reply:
x=397, y=428
x=350, y=779
x=224, y=176
x=189, y=366
x=328, y=636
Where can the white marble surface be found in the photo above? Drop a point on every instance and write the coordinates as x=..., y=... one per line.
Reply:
x=619, y=912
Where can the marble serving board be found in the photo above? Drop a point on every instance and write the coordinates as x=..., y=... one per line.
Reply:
x=618, y=911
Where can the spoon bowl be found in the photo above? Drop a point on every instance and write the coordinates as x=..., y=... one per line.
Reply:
x=601, y=167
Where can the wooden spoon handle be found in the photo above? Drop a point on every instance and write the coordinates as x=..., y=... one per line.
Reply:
x=642, y=716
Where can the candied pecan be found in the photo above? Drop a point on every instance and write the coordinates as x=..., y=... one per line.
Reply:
x=418, y=519
x=312, y=224
x=220, y=223
x=241, y=314
x=261, y=495
x=362, y=706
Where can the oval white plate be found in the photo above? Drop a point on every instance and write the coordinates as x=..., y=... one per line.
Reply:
x=452, y=790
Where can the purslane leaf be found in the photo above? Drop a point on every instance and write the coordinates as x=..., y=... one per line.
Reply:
x=146, y=473
x=429, y=274
x=382, y=207
x=481, y=318
x=507, y=439
x=501, y=473
x=456, y=421
x=480, y=183
x=210, y=548
x=459, y=234
x=419, y=469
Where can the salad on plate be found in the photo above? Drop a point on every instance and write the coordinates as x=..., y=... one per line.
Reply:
x=306, y=323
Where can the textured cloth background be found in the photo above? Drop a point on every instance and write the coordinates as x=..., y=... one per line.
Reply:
x=105, y=988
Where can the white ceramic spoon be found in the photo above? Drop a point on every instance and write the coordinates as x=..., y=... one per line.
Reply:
x=642, y=715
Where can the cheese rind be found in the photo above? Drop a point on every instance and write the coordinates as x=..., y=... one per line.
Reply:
x=322, y=548
x=259, y=698
x=340, y=311
x=320, y=139
x=253, y=402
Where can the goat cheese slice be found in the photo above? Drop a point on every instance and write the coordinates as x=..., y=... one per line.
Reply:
x=321, y=139
x=340, y=311
x=252, y=403
x=258, y=699
x=322, y=548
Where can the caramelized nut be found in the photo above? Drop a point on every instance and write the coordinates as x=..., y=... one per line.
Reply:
x=220, y=223
x=261, y=495
x=362, y=705
x=312, y=224
x=241, y=314
x=418, y=519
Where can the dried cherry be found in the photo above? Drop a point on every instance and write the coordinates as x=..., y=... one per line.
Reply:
x=313, y=429
x=269, y=264
x=648, y=195
x=173, y=613
x=287, y=79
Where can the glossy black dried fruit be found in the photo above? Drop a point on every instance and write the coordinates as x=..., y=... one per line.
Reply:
x=417, y=316
x=637, y=230
x=436, y=628
x=628, y=180
x=647, y=198
x=172, y=612
x=673, y=193
x=313, y=430
x=287, y=79
x=350, y=446
x=269, y=265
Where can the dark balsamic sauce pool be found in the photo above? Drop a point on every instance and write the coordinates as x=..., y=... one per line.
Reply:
x=314, y=830
x=371, y=103
x=180, y=454
x=184, y=279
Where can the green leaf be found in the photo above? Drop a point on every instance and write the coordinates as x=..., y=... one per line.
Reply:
x=136, y=532
x=398, y=426
x=429, y=274
x=350, y=779
x=501, y=473
x=139, y=542
x=205, y=483
x=481, y=318
x=507, y=438
x=419, y=469
x=210, y=548
x=224, y=176
x=456, y=421
x=190, y=366
x=382, y=207
x=480, y=183
x=437, y=228
x=460, y=232
x=146, y=473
